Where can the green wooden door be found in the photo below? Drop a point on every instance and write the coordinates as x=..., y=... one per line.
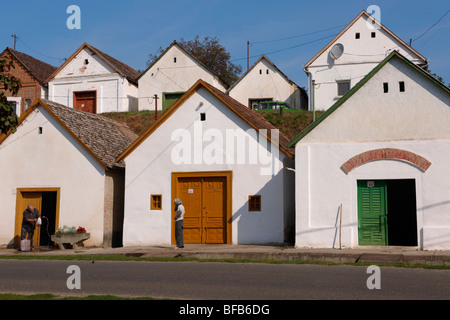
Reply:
x=170, y=99
x=372, y=212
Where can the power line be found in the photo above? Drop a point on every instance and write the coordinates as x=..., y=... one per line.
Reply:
x=289, y=48
x=432, y=26
x=297, y=36
x=40, y=53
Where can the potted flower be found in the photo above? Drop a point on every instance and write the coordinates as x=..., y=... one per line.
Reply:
x=70, y=235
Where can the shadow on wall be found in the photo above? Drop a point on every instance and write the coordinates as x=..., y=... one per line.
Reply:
x=273, y=224
x=133, y=103
x=298, y=99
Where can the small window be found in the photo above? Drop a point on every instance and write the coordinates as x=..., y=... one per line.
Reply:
x=27, y=103
x=267, y=71
x=260, y=71
x=202, y=116
x=86, y=61
x=385, y=87
x=373, y=34
x=401, y=86
x=175, y=60
x=13, y=105
x=254, y=203
x=357, y=35
x=156, y=203
x=343, y=87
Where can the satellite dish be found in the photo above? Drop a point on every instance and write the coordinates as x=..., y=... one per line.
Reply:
x=337, y=51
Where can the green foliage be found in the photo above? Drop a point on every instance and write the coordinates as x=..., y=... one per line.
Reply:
x=8, y=118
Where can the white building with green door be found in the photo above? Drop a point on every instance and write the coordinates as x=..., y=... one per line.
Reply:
x=170, y=76
x=373, y=169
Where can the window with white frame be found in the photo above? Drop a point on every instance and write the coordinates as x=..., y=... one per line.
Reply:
x=14, y=102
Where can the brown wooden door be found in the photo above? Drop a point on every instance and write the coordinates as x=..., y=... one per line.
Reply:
x=214, y=214
x=205, y=202
x=85, y=101
x=24, y=199
x=190, y=194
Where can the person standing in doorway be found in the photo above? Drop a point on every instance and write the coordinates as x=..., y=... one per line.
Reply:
x=30, y=217
x=179, y=217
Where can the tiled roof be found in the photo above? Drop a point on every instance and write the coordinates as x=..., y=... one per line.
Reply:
x=39, y=69
x=104, y=137
x=131, y=74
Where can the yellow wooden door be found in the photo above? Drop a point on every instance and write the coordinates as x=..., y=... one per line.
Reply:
x=204, y=200
x=190, y=194
x=214, y=213
x=23, y=200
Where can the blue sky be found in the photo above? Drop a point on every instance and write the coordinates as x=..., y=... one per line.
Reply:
x=130, y=30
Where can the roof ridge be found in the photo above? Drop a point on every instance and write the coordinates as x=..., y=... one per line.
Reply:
x=175, y=42
x=120, y=67
x=362, y=13
x=254, y=119
x=361, y=83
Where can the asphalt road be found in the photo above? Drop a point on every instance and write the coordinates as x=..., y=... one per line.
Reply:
x=228, y=281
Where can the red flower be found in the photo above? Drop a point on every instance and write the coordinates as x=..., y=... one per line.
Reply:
x=81, y=230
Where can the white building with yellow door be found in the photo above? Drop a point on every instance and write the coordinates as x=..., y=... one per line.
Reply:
x=226, y=163
x=63, y=161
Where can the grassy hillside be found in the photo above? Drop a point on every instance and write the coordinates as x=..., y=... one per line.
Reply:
x=291, y=122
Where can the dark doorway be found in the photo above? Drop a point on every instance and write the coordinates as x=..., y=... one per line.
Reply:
x=48, y=213
x=402, y=212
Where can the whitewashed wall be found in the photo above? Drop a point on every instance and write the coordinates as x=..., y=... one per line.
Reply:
x=264, y=81
x=415, y=120
x=321, y=188
x=114, y=92
x=53, y=159
x=359, y=58
x=149, y=169
x=167, y=76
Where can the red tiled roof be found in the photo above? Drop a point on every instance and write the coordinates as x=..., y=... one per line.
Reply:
x=39, y=69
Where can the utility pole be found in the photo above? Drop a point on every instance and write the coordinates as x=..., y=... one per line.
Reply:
x=248, y=55
x=156, y=106
x=15, y=38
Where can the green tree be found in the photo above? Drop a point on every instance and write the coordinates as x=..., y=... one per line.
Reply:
x=8, y=118
x=211, y=53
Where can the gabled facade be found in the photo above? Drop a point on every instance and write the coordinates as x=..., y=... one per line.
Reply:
x=170, y=76
x=63, y=161
x=32, y=74
x=264, y=82
x=226, y=163
x=349, y=57
x=372, y=170
x=93, y=81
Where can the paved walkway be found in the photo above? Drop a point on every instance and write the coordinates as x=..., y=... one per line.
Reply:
x=359, y=254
